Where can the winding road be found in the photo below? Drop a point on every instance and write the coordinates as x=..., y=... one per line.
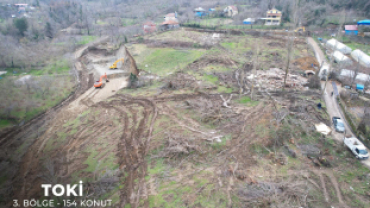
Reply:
x=330, y=101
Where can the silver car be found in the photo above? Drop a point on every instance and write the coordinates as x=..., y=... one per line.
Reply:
x=338, y=125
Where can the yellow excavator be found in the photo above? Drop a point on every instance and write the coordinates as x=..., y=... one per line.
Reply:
x=300, y=29
x=114, y=65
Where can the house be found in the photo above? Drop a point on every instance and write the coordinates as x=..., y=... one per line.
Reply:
x=149, y=27
x=21, y=9
x=351, y=29
x=200, y=12
x=231, y=11
x=171, y=16
x=170, y=24
x=21, y=5
x=273, y=17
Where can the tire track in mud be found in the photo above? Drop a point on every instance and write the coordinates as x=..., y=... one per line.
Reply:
x=330, y=180
x=133, y=146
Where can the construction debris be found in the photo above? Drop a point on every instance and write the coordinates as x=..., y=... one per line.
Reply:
x=322, y=128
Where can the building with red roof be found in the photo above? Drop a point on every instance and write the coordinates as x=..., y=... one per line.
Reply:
x=149, y=27
x=351, y=29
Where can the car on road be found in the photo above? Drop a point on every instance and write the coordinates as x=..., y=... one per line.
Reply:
x=356, y=147
x=338, y=124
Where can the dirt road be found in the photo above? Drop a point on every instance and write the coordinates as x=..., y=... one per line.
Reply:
x=94, y=95
x=330, y=101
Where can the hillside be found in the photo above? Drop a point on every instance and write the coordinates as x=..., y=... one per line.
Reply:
x=206, y=113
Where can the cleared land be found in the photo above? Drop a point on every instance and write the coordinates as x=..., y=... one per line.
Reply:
x=200, y=131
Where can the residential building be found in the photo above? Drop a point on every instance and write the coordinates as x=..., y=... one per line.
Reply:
x=231, y=11
x=149, y=27
x=200, y=12
x=273, y=17
x=171, y=16
x=21, y=5
x=170, y=24
x=351, y=29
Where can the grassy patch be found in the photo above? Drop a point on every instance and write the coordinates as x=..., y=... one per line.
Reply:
x=210, y=78
x=246, y=100
x=364, y=48
x=166, y=61
x=128, y=21
x=219, y=145
x=222, y=89
x=101, y=22
x=216, y=68
x=25, y=99
x=212, y=22
x=86, y=39
x=4, y=123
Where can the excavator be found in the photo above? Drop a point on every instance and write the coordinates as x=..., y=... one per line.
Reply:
x=300, y=29
x=114, y=65
x=99, y=83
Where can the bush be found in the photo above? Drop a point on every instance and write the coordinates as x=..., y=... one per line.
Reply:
x=314, y=82
x=21, y=24
x=140, y=40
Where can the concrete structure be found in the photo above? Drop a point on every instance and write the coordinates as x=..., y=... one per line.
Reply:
x=231, y=11
x=149, y=27
x=273, y=17
x=333, y=44
x=351, y=29
x=361, y=57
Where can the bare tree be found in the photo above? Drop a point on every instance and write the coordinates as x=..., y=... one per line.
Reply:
x=290, y=42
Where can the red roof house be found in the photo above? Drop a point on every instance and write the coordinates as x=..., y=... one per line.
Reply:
x=149, y=27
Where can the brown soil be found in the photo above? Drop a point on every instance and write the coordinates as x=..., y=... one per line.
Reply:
x=306, y=63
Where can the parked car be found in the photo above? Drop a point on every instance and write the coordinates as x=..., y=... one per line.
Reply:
x=338, y=125
x=356, y=147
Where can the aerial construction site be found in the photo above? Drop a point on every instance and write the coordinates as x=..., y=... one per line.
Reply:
x=188, y=117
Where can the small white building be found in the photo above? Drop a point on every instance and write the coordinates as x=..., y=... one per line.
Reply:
x=231, y=11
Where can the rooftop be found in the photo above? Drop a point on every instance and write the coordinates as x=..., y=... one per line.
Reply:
x=351, y=27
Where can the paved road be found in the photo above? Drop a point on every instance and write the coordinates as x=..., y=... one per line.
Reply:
x=330, y=101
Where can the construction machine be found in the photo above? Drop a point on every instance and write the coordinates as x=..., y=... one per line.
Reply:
x=300, y=29
x=99, y=83
x=114, y=65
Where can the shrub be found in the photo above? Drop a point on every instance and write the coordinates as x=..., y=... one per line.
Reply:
x=314, y=82
x=140, y=40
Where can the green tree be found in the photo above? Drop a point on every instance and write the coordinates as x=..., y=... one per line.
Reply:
x=48, y=30
x=21, y=24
